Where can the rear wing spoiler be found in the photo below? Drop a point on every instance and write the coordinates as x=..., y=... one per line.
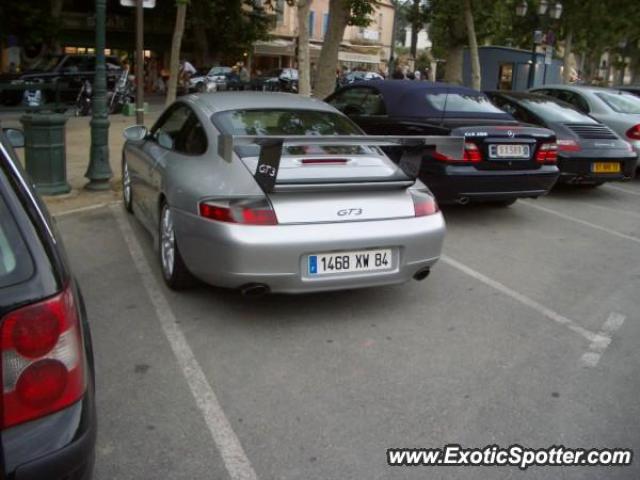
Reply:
x=271, y=149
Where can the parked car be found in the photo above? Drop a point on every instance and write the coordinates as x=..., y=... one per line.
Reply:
x=588, y=152
x=620, y=111
x=70, y=71
x=281, y=80
x=210, y=80
x=633, y=89
x=502, y=161
x=48, y=417
x=306, y=203
x=359, y=76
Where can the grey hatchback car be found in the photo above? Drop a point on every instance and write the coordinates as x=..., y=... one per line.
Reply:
x=274, y=192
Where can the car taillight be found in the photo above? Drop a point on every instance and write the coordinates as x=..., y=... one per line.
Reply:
x=547, y=154
x=42, y=359
x=634, y=132
x=245, y=212
x=568, y=145
x=471, y=154
x=423, y=203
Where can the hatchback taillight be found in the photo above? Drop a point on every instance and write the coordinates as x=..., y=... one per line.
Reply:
x=42, y=359
x=547, y=154
x=634, y=132
x=245, y=212
x=423, y=203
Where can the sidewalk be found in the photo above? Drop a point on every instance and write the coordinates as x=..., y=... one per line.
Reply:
x=78, y=137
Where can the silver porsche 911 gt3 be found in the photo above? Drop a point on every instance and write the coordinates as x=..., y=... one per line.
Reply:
x=269, y=192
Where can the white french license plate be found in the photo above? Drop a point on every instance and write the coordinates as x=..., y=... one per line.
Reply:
x=509, y=150
x=350, y=262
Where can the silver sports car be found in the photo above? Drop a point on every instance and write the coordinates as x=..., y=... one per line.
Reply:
x=270, y=192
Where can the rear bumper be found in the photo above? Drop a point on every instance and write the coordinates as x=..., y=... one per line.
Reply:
x=579, y=170
x=455, y=183
x=231, y=256
x=69, y=437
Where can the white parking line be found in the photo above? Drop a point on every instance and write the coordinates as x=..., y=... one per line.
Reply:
x=85, y=209
x=227, y=442
x=620, y=189
x=597, y=347
x=613, y=209
x=529, y=302
x=615, y=233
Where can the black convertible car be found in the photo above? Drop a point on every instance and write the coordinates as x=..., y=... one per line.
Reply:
x=589, y=153
x=503, y=160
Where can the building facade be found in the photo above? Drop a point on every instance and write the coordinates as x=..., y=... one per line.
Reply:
x=365, y=48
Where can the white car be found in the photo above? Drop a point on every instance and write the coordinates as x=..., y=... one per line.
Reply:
x=214, y=80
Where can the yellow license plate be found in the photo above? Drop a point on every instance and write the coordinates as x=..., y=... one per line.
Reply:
x=606, y=167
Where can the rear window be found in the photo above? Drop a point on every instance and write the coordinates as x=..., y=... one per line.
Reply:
x=16, y=264
x=463, y=103
x=290, y=122
x=284, y=122
x=620, y=102
x=551, y=111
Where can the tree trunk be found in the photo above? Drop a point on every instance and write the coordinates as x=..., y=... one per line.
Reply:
x=304, y=66
x=200, y=17
x=56, y=11
x=176, y=43
x=338, y=18
x=566, y=58
x=416, y=26
x=476, y=78
x=453, y=67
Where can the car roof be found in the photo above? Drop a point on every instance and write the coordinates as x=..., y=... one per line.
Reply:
x=223, y=101
x=407, y=98
x=579, y=88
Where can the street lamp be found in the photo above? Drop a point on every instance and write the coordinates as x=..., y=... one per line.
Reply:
x=555, y=12
x=99, y=170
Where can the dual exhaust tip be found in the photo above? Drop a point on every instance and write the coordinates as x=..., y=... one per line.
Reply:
x=256, y=290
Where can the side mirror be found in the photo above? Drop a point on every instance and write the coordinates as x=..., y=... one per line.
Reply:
x=15, y=137
x=135, y=133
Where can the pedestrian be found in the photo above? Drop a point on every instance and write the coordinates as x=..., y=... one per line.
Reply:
x=397, y=74
x=186, y=72
x=417, y=75
x=243, y=73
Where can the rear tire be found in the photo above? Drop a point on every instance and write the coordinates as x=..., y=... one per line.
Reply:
x=174, y=271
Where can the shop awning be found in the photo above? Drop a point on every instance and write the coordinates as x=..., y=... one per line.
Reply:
x=355, y=57
x=275, y=48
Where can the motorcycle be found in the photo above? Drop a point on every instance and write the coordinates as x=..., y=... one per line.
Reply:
x=83, y=100
x=122, y=94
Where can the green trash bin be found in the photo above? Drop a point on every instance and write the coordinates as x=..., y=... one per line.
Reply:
x=45, y=152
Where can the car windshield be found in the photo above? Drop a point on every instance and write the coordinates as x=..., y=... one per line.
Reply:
x=620, y=102
x=552, y=111
x=47, y=63
x=219, y=71
x=460, y=102
x=290, y=122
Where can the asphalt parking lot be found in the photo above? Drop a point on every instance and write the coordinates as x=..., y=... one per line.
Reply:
x=526, y=332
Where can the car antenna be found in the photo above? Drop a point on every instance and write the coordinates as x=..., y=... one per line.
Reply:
x=444, y=108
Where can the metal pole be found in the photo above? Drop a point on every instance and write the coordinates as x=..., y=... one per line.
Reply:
x=394, y=29
x=99, y=171
x=140, y=62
